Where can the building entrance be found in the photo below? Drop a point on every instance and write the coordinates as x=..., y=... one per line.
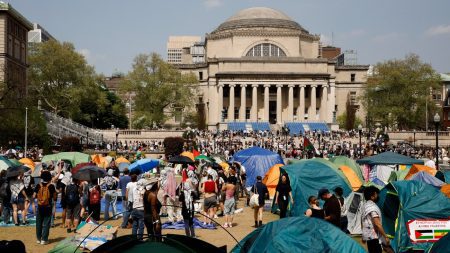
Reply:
x=273, y=112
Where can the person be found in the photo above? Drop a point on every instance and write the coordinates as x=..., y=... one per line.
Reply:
x=314, y=210
x=210, y=190
x=260, y=189
x=129, y=197
x=221, y=182
x=187, y=211
x=283, y=193
x=332, y=208
x=61, y=189
x=111, y=183
x=28, y=182
x=123, y=181
x=45, y=193
x=94, y=202
x=229, y=204
x=137, y=214
x=5, y=192
x=152, y=207
x=84, y=185
x=73, y=205
x=18, y=198
x=339, y=192
x=169, y=194
x=372, y=230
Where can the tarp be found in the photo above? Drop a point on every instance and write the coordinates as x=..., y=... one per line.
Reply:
x=298, y=234
x=404, y=201
x=418, y=167
x=343, y=160
x=354, y=205
x=5, y=163
x=355, y=181
x=73, y=157
x=390, y=158
x=257, y=161
x=307, y=177
x=143, y=165
x=427, y=178
x=271, y=179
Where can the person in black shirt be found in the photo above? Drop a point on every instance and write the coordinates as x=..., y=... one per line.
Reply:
x=331, y=207
x=315, y=211
x=283, y=194
x=45, y=193
x=260, y=189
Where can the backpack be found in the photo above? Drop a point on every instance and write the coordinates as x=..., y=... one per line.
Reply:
x=72, y=195
x=94, y=196
x=43, y=195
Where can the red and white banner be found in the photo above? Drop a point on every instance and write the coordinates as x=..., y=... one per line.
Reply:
x=427, y=230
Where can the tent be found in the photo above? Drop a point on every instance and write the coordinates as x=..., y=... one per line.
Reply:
x=427, y=178
x=73, y=157
x=298, y=234
x=441, y=246
x=418, y=167
x=143, y=165
x=343, y=160
x=271, y=179
x=5, y=163
x=445, y=189
x=101, y=161
x=354, y=205
x=307, y=177
x=402, y=202
x=257, y=161
x=389, y=158
x=353, y=178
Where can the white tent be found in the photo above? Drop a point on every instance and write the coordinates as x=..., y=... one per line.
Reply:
x=354, y=204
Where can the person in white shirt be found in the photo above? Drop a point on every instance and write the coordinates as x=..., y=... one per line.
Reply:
x=129, y=192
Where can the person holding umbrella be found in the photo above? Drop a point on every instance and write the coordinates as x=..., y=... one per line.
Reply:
x=45, y=192
x=91, y=173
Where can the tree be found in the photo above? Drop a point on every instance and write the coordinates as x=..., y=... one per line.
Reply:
x=398, y=92
x=160, y=90
x=350, y=111
x=173, y=146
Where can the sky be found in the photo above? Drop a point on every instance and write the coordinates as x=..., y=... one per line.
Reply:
x=110, y=33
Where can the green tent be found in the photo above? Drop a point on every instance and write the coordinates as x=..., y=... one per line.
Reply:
x=5, y=163
x=443, y=245
x=343, y=160
x=389, y=158
x=298, y=234
x=398, y=175
x=15, y=162
x=404, y=201
x=307, y=177
x=73, y=157
x=204, y=157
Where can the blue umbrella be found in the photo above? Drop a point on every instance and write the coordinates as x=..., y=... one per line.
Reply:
x=143, y=165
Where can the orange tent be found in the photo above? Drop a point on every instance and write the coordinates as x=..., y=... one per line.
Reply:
x=417, y=167
x=271, y=179
x=188, y=154
x=446, y=190
x=352, y=177
x=27, y=162
x=122, y=160
x=101, y=161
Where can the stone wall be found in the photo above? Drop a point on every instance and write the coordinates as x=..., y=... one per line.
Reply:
x=139, y=135
x=421, y=138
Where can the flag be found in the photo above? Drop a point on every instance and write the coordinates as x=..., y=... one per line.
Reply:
x=195, y=152
x=307, y=145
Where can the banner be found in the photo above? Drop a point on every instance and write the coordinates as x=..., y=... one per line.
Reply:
x=427, y=230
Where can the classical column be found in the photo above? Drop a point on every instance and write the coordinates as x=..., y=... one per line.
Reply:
x=231, y=104
x=266, y=102
x=243, y=102
x=312, y=106
x=332, y=100
x=301, y=108
x=323, y=104
x=290, y=116
x=254, y=111
x=279, y=103
x=220, y=101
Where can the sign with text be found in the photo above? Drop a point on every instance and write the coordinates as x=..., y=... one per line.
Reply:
x=427, y=230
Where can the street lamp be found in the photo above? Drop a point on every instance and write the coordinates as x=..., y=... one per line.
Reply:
x=437, y=119
x=117, y=139
x=87, y=139
x=319, y=133
x=360, y=133
x=414, y=140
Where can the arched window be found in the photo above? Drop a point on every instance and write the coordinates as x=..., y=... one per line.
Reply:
x=266, y=50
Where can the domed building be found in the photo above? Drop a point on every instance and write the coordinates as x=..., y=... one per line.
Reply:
x=262, y=66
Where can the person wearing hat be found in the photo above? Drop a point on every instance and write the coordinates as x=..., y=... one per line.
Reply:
x=111, y=183
x=45, y=193
x=332, y=207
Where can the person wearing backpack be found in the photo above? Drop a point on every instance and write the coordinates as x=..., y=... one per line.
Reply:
x=95, y=197
x=111, y=182
x=73, y=206
x=45, y=193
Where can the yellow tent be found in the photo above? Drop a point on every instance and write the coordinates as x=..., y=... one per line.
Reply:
x=27, y=162
x=271, y=179
x=188, y=154
x=122, y=160
x=418, y=167
x=352, y=177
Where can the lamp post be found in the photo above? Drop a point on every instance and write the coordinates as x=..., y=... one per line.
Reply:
x=26, y=132
x=437, y=119
x=87, y=139
x=117, y=139
x=360, y=134
x=319, y=134
x=414, y=140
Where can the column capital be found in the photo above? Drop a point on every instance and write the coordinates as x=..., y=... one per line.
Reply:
x=220, y=85
x=244, y=85
x=302, y=85
x=313, y=85
x=280, y=85
x=255, y=85
x=232, y=85
x=291, y=85
x=267, y=85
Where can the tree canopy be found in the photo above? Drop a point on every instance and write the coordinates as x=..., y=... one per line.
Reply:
x=161, y=90
x=399, y=91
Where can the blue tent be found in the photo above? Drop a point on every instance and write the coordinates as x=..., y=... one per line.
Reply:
x=403, y=201
x=427, y=178
x=307, y=177
x=143, y=165
x=298, y=234
x=257, y=161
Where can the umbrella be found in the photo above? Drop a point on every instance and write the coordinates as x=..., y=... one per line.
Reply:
x=37, y=170
x=79, y=166
x=204, y=157
x=123, y=166
x=5, y=163
x=122, y=160
x=143, y=165
x=74, y=157
x=181, y=159
x=27, y=162
x=15, y=161
x=89, y=173
x=188, y=154
x=16, y=170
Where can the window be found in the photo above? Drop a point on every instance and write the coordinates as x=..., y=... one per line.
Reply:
x=352, y=77
x=200, y=75
x=224, y=113
x=266, y=50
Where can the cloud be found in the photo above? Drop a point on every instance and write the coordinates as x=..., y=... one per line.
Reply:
x=86, y=53
x=387, y=37
x=438, y=30
x=212, y=3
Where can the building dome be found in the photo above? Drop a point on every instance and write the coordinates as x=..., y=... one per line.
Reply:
x=259, y=17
